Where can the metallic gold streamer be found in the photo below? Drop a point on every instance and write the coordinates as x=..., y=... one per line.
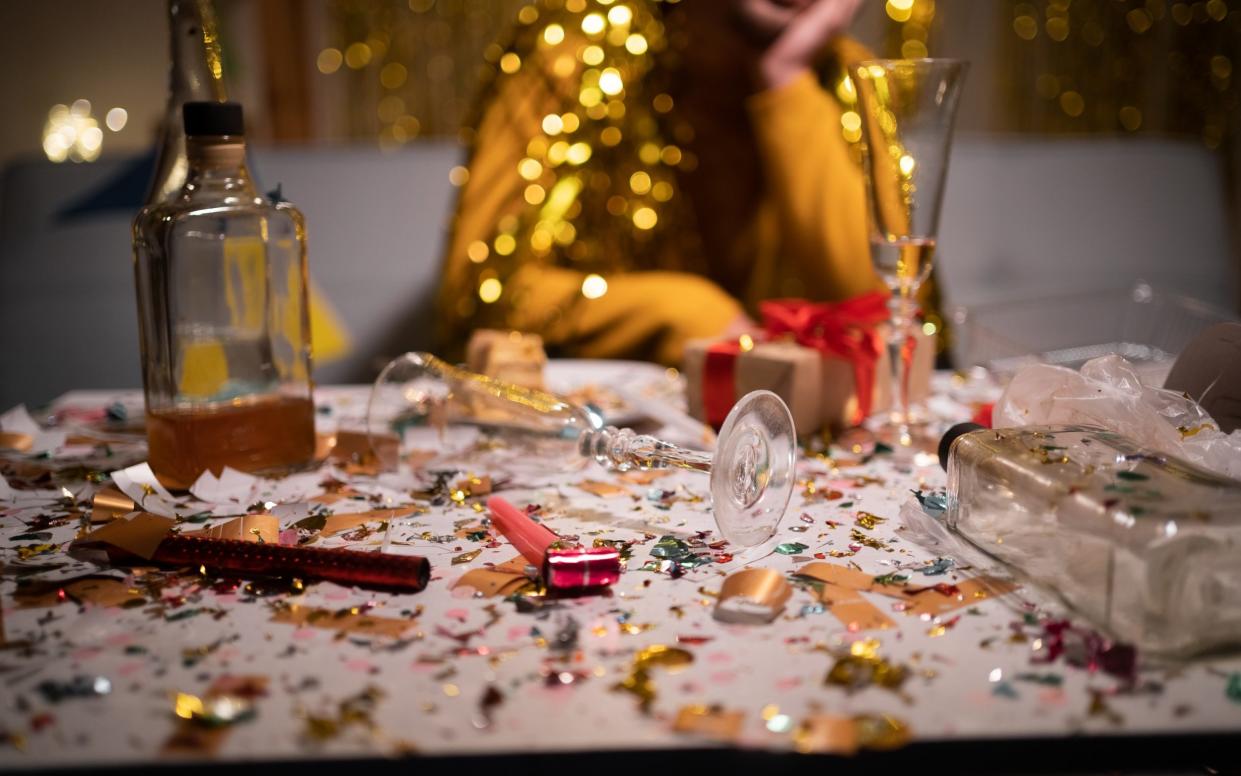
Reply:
x=10, y=440
x=753, y=596
x=109, y=504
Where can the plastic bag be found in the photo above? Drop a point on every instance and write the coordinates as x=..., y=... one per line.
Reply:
x=1108, y=393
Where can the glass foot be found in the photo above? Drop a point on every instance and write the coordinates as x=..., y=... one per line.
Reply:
x=914, y=442
x=752, y=470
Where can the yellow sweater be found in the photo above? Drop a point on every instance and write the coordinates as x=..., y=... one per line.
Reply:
x=803, y=232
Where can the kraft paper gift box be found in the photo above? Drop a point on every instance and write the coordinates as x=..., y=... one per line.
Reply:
x=819, y=389
x=512, y=356
x=792, y=372
x=509, y=356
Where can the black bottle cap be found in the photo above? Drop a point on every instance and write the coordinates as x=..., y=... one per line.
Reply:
x=213, y=118
x=950, y=436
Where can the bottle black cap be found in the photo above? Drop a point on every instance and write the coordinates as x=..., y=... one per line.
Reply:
x=950, y=436
x=213, y=118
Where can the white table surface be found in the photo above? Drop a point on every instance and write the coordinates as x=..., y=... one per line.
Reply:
x=964, y=682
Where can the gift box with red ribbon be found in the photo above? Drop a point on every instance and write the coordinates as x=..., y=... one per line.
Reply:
x=827, y=360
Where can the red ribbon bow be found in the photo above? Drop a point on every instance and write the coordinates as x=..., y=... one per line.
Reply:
x=845, y=330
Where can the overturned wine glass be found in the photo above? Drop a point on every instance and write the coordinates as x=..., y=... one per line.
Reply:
x=423, y=408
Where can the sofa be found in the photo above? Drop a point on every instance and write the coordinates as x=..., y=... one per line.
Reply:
x=1022, y=218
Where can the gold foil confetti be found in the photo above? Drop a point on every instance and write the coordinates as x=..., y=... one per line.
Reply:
x=466, y=557
x=854, y=672
x=13, y=441
x=109, y=504
x=602, y=489
x=868, y=541
x=711, y=722
x=639, y=682
x=752, y=596
x=351, y=621
x=868, y=520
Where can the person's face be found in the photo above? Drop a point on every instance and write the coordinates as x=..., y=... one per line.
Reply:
x=764, y=20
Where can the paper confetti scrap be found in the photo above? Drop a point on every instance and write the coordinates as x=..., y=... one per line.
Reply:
x=602, y=489
x=710, y=722
x=352, y=621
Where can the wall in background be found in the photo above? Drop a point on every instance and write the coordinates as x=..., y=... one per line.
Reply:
x=391, y=72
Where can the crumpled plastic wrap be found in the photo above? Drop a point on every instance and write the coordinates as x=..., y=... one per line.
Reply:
x=1108, y=393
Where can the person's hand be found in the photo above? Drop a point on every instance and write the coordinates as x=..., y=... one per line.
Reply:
x=796, y=31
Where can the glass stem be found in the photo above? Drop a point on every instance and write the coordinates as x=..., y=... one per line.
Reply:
x=622, y=450
x=900, y=306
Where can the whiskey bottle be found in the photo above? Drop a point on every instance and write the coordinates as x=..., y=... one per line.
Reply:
x=222, y=309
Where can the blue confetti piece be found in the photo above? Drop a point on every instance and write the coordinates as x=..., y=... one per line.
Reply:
x=937, y=567
x=1004, y=690
x=934, y=504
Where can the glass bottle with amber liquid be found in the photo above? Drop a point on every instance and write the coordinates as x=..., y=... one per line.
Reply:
x=223, y=320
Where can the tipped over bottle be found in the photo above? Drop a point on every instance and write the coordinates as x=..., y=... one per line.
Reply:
x=1146, y=545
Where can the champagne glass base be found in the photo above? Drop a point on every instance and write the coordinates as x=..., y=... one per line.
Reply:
x=913, y=442
x=753, y=469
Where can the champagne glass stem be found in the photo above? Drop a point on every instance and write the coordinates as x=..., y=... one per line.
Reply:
x=900, y=305
x=622, y=450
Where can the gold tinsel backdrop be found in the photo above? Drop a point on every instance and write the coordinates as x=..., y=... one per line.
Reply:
x=414, y=67
x=405, y=70
x=1107, y=66
x=411, y=68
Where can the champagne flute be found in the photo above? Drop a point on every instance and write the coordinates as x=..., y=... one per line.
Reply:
x=908, y=107
x=426, y=410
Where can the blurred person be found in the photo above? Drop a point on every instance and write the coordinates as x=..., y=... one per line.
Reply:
x=627, y=194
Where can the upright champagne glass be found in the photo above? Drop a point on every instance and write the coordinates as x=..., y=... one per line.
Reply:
x=908, y=107
x=425, y=409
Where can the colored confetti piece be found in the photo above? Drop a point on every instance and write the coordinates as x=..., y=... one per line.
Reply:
x=1233, y=688
x=937, y=567
x=640, y=683
x=867, y=541
x=466, y=557
x=934, y=503
x=856, y=672
x=868, y=521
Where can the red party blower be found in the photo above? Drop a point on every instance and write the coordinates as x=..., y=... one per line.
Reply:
x=565, y=570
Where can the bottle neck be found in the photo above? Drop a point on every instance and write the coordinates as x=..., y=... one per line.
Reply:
x=217, y=164
x=196, y=73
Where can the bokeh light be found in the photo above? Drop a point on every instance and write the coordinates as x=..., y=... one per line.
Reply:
x=72, y=134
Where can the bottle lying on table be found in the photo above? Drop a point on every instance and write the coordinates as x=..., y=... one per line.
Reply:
x=223, y=318
x=1146, y=545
